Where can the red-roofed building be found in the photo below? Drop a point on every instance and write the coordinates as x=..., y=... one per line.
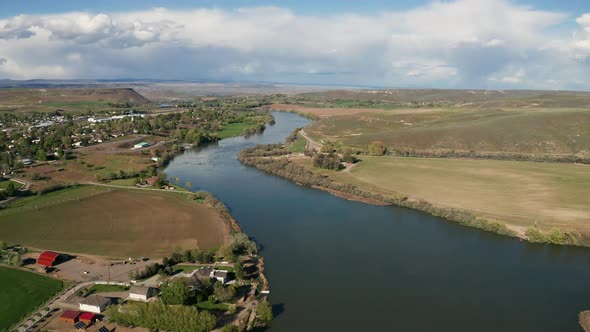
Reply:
x=70, y=316
x=87, y=318
x=49, y=258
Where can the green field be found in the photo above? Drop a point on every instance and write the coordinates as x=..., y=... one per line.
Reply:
x=113, y=222
x=106, y=289
x=298, y=146
x=21, y=293
x=522, y=194
x=191, y=268
x=234, y=129
x=206, y=305
x=4, y=184
x=529, y=131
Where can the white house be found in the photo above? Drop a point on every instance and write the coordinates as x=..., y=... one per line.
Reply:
x=220, y=275
x=141, y=293
x=95, y=304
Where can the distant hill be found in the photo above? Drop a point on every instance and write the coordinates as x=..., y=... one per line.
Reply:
x=450, y=98
x=50, y=99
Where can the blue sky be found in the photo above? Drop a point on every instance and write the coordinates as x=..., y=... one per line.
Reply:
x=11, y=8
x=450, y=43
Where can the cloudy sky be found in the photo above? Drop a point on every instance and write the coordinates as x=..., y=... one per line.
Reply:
x=441, y=44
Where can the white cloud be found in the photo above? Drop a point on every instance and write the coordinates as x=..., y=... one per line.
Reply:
x=462, y=43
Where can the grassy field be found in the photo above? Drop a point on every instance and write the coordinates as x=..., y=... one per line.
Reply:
x=97, y=288
x=234, y=129
x=191, y=268
x=22, y=292
x=206, y=305
x=298, y=146
x=113, y=222
x=68, y=100
x=522, y=194
x=546, y=131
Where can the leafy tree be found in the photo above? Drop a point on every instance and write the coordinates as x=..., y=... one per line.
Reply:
x=10, y=189
x=264, y=311
x=175, y=292
x=3, y=245
x=41, y=155
x=225, y=294
x=15, y=260
x=239, y=269
x=159, y=316
x=230, y=328
x=377, y=148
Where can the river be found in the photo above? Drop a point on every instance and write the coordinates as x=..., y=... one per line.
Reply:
x=338, y=265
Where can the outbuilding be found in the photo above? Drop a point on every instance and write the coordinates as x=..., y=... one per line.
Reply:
x=70, y=316
x=87, y=318
x=95, y=304
x=141, y=293
x=49, y=258
x=141, y=145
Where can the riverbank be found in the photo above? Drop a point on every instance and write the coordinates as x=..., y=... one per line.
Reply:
x=278, y=160
x=585, y=320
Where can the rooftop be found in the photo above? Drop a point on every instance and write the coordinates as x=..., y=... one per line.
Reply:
x=96, y=300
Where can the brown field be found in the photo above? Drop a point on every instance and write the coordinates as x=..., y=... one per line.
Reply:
x=113, y=222
x=69, y=100
x=322, y=112
x=520, y=194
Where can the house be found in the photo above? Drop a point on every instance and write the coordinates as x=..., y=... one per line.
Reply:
x=70, y=316
x=87, y=318
x=94, y=304
x=49, y=258
x=141, y=145
x=141, y=293
x=220, y=275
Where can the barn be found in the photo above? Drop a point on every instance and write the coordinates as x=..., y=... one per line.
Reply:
x=49, y=258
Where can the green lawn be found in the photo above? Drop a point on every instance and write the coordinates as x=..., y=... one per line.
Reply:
x=299, y=145
x=4, y=184
x=21, y=293
x=206, y=305
x=191, y=268
x=107, y=289
x=234, y=129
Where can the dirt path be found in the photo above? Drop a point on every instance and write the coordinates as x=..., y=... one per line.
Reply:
x=136, y=188
x=311, y=144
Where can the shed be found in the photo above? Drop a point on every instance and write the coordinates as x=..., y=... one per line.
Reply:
x=140, y=293
x=70, y=316
x=49, y=258
x=95, y=304
x=87, y=317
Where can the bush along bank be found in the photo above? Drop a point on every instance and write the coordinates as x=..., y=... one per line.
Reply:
x=272, y=159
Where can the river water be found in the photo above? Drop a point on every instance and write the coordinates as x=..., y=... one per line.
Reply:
x=338, y=265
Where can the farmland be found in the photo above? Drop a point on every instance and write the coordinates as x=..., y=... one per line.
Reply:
x=112, y=222
x=24, y=100
x=556, y=131
x=522, y=194
x=21, y=292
